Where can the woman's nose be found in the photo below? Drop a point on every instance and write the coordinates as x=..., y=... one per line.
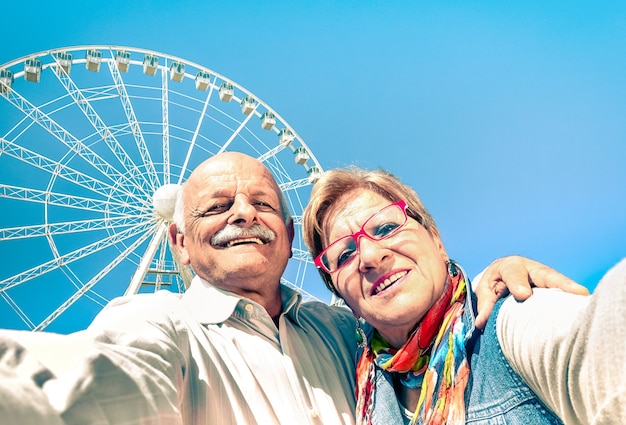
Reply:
x=242, y=211
x=371, y=254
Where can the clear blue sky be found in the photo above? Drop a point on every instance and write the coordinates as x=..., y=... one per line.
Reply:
x=508, y=118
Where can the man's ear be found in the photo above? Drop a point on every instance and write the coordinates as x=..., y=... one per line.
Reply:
x=177, y=240
x=290, y=233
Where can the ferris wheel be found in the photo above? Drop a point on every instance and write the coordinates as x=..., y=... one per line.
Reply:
x=94, y=143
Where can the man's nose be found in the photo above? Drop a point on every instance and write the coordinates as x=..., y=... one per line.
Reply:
x=242, y=211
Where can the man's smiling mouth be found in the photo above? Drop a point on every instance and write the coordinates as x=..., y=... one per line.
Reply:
x=235, y=242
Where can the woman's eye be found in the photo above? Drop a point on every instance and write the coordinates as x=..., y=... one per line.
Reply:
x=385, y=229
x=345, y=256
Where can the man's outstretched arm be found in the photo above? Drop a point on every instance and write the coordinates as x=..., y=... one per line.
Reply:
x=570, y=349
x=517, y=275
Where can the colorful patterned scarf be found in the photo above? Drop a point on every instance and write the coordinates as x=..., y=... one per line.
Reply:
x=433, y=358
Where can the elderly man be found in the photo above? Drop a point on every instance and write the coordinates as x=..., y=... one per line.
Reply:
x=236, y=348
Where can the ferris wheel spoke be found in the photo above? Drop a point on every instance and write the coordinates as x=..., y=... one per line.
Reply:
x=59, y=169
x=256, y=144
x=165, y=122
x=131, y=117
x=56, y=229
x=93, y=281
x=237, y=131
x=77, y=283
x=65, y=137
x=20, y=127
x=94, y=119
x=66, y=259
x=296, y=184
x=272, y=152
x=18, y=311
x=71, y=201
x=195, y=135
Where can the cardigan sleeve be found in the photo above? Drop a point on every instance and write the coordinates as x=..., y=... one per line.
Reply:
x=571, y=349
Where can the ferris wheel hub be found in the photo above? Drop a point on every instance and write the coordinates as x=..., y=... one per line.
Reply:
x=164, y=200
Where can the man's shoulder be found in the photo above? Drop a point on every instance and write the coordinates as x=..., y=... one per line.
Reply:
x=331, y=309
x=153, y=307
x=331, y=322
x=153, y=299
x=324, y=313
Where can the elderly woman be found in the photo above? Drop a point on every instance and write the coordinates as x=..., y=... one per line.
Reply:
x=378, y=248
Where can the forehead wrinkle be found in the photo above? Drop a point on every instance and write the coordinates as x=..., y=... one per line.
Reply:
x=350, y=208
x=248, y=188
x=226, y=176
x=217, y=187
x=341, y=207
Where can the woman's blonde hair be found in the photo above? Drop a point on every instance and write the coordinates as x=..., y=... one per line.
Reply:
x=335, y=184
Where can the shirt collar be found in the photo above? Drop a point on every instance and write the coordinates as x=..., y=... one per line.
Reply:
x=292, y=301
x=212, y=305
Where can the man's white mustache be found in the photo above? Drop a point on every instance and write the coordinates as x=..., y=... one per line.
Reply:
x=231, y=232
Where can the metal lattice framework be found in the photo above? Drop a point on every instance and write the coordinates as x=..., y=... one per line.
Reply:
x=88, y=136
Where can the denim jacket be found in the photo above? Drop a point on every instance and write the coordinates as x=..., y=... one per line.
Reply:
x=495, y=394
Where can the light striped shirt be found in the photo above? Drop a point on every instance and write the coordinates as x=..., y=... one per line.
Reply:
x=212, y=357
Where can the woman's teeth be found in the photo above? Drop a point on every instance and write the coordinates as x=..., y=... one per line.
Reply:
x=389, y=281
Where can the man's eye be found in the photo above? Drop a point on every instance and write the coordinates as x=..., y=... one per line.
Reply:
x=218, y=209
x=264, y=206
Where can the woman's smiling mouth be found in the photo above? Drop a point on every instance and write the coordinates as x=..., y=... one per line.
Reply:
x=379, y=287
